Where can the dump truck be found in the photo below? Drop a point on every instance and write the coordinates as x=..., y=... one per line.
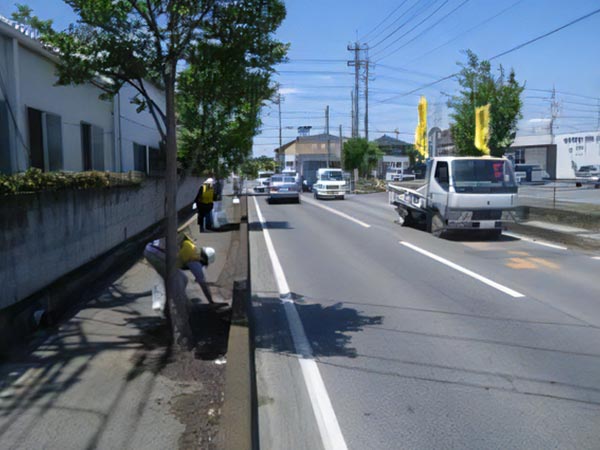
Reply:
x=460, y=193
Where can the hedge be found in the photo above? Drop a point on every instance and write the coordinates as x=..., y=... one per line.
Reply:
x=34, y=180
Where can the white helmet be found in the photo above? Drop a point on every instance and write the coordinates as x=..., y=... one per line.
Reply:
x=207, y=255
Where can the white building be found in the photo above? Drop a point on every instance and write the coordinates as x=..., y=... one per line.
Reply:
x=560, y=156
x=66, y=127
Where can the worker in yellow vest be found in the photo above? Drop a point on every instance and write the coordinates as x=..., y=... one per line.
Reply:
x=188, y=258
x=204, y=203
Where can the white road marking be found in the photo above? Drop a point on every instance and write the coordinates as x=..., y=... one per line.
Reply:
x=596, y=257
x=464, y=270
x=334, y=211
x=534, y=241
x=329, y=428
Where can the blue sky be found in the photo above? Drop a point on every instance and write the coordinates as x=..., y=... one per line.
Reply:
x=317, y=75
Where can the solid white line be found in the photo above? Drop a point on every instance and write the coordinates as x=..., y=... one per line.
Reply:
x=468, y=272
x=596, y=257
x=534, y=241
x=339, y=213
x=329, y=428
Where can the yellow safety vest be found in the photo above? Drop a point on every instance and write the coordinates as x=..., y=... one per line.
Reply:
x=187, y=253
x=207, y=194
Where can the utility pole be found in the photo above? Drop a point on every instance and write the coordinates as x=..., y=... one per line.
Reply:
x=553, y=113
x=353, y=132
x=327, y=132
x=357, y=63
x=367, y=99
x=341, y=148
x=280, y=140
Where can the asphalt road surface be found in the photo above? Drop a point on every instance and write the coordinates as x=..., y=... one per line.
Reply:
x=374, y=336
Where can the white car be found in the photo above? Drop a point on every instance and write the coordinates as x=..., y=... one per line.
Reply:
x=262, y=182
x=330, y=184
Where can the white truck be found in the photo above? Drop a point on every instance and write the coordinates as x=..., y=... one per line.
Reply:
x=330, y=184
x=460, y=193
x=398, y=174
x=263, y=180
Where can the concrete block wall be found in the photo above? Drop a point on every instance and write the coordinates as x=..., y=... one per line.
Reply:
x=49, y=234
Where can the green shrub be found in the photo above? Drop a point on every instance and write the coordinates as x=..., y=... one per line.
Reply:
x=34, y=180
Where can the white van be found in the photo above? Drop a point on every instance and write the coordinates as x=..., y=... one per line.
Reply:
x=330, y=184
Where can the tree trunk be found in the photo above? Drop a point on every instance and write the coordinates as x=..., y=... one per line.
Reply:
x=175, y=285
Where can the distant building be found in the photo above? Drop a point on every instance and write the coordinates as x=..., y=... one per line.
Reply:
x=441, y=142
x=561, y=156
x=67, y=127
x=306, y=154
x=395, y=154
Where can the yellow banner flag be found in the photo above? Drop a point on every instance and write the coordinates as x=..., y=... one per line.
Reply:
x=421, y=142
x=482, y=128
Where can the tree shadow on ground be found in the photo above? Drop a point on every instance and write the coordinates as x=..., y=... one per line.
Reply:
x=328, y=328
x=270, y=225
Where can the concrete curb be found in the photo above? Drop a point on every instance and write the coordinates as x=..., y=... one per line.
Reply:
x=557, y=216
x=239, y=420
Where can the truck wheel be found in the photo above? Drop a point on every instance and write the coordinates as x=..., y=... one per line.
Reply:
x=436, y=225
x=493, y=234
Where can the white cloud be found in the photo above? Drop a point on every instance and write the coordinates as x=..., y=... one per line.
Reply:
x=288, y=91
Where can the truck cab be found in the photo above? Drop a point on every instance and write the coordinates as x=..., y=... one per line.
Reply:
x=461, y=193
x=330, y=184
x=263, y=180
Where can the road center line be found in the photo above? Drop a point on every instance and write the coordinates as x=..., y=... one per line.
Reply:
x=464, y=270
x=329, y=428
x=335, y=211
x=534, y=241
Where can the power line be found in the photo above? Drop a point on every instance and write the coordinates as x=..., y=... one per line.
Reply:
x=549, y=33
x=513, y=49
x=480, y=24
x=364, y=38
x=406, y=22
x=413, y=28
x=425, y=30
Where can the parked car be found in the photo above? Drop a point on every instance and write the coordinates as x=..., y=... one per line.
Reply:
x=399, y=174
x=284, y=187
x=530, y=173
x=590, y=171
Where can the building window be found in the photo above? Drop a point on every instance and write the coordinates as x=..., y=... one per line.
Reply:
x=157, y=160
x=520, y=156
x=45, y=140
x=589, y=139
x=139, y=157
x=92, y=147
x=5, y=153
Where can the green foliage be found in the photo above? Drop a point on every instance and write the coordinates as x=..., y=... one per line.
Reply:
x=227, y=81
x=251, y=166
x=24, y=15
x=414, y=156
x=34, y=180
x=361, y=154
x=479, y=87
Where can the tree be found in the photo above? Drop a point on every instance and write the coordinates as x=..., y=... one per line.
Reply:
x=24, y=15
x=361, y=154
x=133, y=42
x=251, y=166
x=480, y=87
x=227, y=80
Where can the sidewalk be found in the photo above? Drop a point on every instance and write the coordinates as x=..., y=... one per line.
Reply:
x=107, y=378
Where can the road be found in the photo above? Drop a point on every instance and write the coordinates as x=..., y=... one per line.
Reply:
x=391, y=338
